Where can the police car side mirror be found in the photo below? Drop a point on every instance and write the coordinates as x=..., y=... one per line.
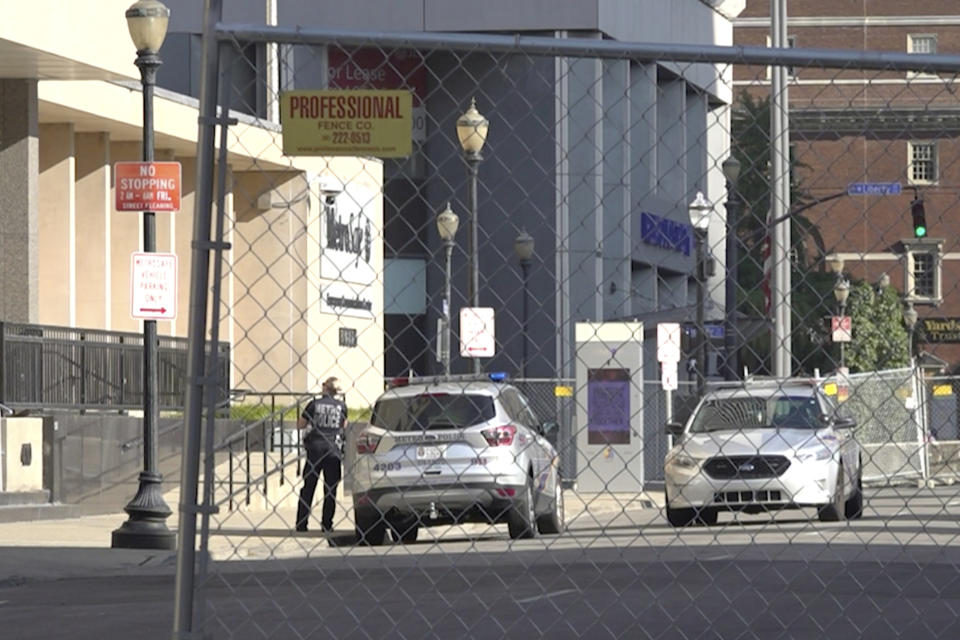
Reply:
x=844, y=423
x=674, y=428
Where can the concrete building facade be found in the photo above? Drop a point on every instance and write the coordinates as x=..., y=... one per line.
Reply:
x=580, y=153
x=71, y=107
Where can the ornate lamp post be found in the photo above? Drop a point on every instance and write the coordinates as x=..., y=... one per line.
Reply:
x=523, y=247
x=447, y=224
x=472, y=133
x=146, y=527
x=699, y=211
x=731, y=171
x=841, y=291
x=834, y=264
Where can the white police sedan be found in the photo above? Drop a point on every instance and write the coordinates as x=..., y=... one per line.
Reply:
x=763, y=446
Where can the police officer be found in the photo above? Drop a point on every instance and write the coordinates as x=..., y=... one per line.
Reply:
x=324, y=419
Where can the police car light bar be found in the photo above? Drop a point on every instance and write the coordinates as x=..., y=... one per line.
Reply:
x=493, y=376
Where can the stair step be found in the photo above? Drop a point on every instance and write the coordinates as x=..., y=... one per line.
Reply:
x=24, y=498
x=24, y=513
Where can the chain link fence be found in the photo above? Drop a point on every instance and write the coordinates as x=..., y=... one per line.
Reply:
x=593, y=154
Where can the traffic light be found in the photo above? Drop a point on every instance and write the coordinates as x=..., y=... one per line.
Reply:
x=919, y=218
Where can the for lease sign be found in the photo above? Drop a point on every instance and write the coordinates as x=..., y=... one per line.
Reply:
x=347, y=123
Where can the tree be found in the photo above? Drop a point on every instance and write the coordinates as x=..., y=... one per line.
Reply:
x=880, y=339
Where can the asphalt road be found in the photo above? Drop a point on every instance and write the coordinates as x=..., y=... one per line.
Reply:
x=895, y=573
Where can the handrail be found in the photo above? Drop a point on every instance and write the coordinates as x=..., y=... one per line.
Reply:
x=243, y=433
x=234, y=393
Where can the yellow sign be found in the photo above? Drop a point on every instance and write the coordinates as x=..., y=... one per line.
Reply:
x=943, y=389
x=562, y=391
x=830, y=388
x=347, y=123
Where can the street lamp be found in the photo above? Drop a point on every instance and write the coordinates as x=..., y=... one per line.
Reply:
x=447, y=224
x=472, y=133
x=841, y=291
x=834, y=263
x=731, y=171
x=699, y=211
x=523, y=247
x=910, y=317
x=146, y=526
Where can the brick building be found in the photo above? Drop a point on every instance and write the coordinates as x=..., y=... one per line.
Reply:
x=857, y=126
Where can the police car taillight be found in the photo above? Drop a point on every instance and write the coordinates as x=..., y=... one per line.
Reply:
x=367, y=442
x=500, y=436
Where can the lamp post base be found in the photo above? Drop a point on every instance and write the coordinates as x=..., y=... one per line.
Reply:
x=146, y=528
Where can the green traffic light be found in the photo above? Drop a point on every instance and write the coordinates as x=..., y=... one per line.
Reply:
x=919, y=231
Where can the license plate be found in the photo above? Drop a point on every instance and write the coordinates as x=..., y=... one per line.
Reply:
x=430, y=453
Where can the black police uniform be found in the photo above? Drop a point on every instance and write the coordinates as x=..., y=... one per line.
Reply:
x=326, y=417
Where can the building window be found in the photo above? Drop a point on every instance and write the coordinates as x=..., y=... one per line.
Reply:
x=791, y=71
x=923, y=260
x=922, y=162
x=924, y=43
x=923, y=275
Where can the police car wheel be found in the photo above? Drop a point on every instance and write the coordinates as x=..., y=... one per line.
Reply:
x=371, y=531
x=404, y=530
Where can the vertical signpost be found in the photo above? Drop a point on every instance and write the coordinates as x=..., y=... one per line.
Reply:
x=149, y=187
x=668, y=355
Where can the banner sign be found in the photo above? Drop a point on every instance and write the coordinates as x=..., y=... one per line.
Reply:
x=347, y=123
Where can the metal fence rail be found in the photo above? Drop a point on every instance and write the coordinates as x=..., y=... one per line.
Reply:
x=53, y=367
x=596, y=150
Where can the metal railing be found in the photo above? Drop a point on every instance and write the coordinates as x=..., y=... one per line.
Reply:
x=44, y=366
x=261, y=437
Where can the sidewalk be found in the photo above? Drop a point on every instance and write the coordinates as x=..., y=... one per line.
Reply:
x=80, y=547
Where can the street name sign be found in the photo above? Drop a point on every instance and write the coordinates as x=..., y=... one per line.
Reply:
x=153, y=286
x=874, y=189
x=347, y=123
x=147, y=186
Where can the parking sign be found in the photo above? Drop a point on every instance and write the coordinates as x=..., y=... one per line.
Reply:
x=153, y=286
x=476, y=332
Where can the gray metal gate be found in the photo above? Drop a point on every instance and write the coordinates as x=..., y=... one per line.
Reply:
x=595, y=150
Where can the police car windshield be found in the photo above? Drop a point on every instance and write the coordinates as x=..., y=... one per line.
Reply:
x=777, y=412
x=432, y=411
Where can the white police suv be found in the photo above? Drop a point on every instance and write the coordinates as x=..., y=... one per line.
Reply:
x=454, y=449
